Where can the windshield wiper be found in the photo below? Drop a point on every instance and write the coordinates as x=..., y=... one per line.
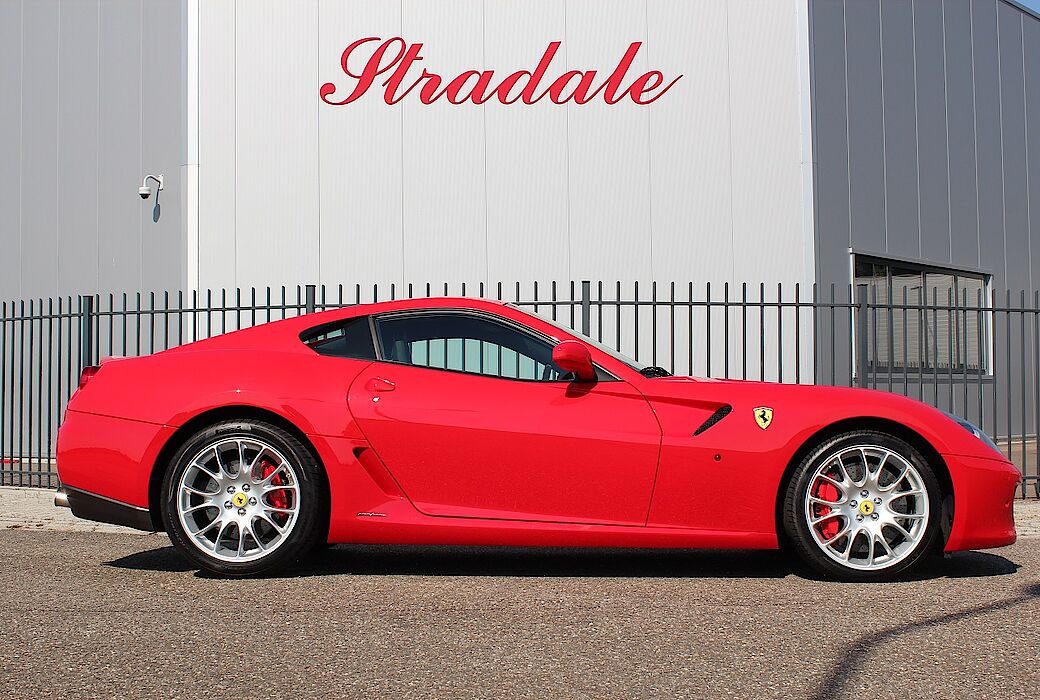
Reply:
x=653, y=371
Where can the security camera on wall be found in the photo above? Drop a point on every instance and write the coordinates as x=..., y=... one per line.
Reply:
x=145, y=189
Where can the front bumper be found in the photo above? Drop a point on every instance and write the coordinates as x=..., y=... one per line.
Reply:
x=90, y=506
x=984, y=497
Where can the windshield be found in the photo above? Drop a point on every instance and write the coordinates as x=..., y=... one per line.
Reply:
x=625, y=359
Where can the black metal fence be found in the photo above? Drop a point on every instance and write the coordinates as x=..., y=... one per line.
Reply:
x=978, y=358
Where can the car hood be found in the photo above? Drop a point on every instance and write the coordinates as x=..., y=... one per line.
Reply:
x=800, y=410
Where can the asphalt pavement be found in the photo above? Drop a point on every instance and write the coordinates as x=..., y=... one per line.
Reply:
x=99, y=614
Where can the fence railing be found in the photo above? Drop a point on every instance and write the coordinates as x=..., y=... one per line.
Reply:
x=978, y=358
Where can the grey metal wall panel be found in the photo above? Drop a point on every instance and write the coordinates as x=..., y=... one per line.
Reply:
x=1013, y=144
x=830, y=144
x=445, y=217
x=1031, y=34
x=483, y=193
x=77, y=184
x=932, y=152
x=527, y=226
x=609, y=152
x=162, y=236
x=119, y=153
x=520, y=192
x=359, y=159
x=960, y=116
x=276, y=141
x=862, y=31
x=39, y=232
x=955, y=138
x=217, y=162
x=900, y=123
x=766, y=184
x=692, y=188
x=987, y=137
x=10, y=148
x=88, y=82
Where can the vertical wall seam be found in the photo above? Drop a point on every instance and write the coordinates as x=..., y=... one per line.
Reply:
x=483, y=117
x=21, y=144
x=946, y=116
x=729, y=150
x=198, y=146
x=97, y=159
x=1000, y=123
x=400, y=108
x=975, y=138
x=807, y=141
x=649, y=148
x=234, y=126
x=140, y=138
x=848, y=140
x=317, y=133
x=917, y=130
x=567, y=148
x=57, y=162
x=810, y=51
x=1025, y=126
x=884, y=121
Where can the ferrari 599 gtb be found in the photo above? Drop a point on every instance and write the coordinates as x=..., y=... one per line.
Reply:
x=469, y=422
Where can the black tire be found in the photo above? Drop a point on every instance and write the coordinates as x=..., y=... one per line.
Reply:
x=310, y=523
x=804, y=542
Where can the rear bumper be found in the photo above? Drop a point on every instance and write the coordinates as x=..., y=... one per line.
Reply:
x=109, y=457
x=984, y=497
x=91, y=506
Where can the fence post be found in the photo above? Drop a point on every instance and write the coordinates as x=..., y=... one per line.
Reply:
x=86, y=331
x=861, y=336
x=586, y=308
x=309, y=304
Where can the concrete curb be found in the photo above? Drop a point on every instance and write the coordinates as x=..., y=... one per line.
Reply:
x=24, y=508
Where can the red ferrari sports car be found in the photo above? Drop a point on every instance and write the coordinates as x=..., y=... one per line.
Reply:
x=471, y=422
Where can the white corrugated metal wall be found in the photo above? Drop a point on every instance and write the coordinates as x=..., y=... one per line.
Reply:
x=709, y=183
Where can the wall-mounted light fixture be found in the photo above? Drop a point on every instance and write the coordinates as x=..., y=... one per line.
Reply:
x=145, y=190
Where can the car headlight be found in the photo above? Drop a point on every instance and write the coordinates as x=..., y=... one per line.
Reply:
x=976, y=431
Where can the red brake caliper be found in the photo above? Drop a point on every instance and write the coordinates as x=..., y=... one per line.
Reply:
x=827, y=492
x=277, y=499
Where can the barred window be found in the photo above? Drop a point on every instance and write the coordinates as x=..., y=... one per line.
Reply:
x=923, y=318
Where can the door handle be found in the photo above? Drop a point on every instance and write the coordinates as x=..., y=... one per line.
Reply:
x=379, y=384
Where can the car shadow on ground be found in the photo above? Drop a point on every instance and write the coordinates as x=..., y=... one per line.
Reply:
x=381, y=560
x=856, y=656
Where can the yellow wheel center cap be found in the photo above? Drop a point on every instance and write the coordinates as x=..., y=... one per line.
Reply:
x=240, y=499
x=866, y=507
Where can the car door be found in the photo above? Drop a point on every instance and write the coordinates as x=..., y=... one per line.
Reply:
x=471, y=417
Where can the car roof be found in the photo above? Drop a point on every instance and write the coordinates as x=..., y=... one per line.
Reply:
x=379, y=307
x=284, y=333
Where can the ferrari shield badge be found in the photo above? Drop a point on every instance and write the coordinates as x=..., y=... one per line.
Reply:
x=763, y=416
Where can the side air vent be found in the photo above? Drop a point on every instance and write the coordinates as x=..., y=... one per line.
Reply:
x=714, y=418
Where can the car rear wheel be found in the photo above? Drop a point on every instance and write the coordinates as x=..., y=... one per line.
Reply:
x=863, y=506
x=243, y=497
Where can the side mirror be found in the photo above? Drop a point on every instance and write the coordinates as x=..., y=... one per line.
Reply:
x=573, y=356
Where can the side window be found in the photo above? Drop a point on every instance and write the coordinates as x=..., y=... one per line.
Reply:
x=351, y=339
x=466, y=343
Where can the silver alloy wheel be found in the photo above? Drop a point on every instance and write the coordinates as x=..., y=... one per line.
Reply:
x=867, y=507
x=238, y=499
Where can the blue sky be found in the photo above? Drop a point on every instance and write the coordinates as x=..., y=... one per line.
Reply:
x=1031, y=4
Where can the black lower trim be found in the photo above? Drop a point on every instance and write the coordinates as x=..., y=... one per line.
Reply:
x=90, y=506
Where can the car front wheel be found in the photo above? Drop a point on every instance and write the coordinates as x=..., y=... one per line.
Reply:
x=863, y=506
x=242, y=497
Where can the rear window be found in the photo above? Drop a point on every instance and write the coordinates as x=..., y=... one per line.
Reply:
x=351, y=339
